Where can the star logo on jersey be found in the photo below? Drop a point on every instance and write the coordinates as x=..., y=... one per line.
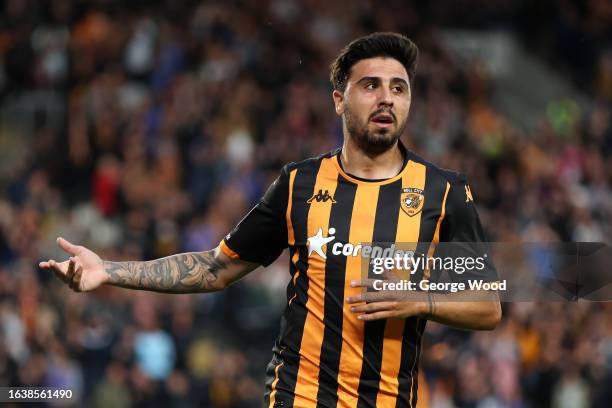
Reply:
x=321, y=196
x=412, y=200
x=316, y=242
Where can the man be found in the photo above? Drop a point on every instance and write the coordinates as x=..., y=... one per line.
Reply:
x=334, y=348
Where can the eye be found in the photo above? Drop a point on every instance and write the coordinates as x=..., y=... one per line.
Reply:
x=397, y=89
x=370, y=85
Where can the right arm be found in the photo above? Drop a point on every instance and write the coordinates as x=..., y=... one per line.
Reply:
x=257, y=240
x=191, y=272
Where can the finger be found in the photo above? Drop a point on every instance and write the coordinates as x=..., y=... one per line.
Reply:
x=377, y=296
x=387, y=314
x=59, y=269
x=72, y=276
x=374, y=307
x=365, y=283
x=76, y=280
x=380, y=296
x=50, y=264
x=67, y=246
x=70, y=271
x=369, y=283
x=362, y=297
x=396, y=275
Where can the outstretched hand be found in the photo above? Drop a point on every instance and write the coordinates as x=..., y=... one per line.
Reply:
x=82, y=271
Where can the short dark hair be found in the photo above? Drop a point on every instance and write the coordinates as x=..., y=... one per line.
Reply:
x=392, y=45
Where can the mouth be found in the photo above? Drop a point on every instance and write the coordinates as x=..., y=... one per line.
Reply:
x=383, y=120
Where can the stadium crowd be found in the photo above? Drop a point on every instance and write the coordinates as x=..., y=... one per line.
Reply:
x=172, y=118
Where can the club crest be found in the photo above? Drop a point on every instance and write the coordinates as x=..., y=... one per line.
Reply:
x=412, y=200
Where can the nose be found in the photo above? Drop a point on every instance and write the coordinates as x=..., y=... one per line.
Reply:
x=385, y=97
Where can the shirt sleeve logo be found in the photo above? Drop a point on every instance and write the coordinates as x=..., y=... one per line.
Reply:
x=468, y=194
x=412, y=200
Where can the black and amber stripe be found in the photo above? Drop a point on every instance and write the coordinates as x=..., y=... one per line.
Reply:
x=283, y=389
x=325, y=356
x=351, y=352
x=435, y=192
x=407, y=235
x=385, y=226
x=335, y=279
x=310, y=349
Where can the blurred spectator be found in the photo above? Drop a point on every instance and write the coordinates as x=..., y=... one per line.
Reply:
x=153, y=348
x=148, y=128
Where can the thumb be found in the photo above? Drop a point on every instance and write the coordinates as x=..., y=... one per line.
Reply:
x=67, y=246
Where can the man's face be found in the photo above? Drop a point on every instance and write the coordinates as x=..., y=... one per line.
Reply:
x=375, y=103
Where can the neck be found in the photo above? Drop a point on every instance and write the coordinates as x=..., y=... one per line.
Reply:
x=361, y=164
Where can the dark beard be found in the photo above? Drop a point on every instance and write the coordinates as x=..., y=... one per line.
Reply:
x=373, y=143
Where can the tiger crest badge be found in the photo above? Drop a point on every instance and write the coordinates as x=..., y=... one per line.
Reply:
x=412, y=200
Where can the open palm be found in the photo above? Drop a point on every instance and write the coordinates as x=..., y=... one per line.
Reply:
x=83, y=271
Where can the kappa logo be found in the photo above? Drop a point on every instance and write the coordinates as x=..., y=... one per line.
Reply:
x=468, y=194
x=412, y=200
x=321, y=196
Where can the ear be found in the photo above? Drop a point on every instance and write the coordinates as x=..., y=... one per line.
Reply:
x=338, y=102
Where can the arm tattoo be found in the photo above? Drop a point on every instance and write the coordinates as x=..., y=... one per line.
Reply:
x=181, y=273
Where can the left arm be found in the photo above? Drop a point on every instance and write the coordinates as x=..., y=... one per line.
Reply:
x=467, y=310
x=468, y=314
x=462, y=232
x=462, y=235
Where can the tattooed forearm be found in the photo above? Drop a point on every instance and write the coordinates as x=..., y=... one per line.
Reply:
x=182, y=273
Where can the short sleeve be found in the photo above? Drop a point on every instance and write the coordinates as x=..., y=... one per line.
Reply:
x=462, y=223
x=462, y=235
x=261, y=235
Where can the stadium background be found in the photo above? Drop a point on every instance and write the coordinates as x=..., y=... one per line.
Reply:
x=144, y=128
